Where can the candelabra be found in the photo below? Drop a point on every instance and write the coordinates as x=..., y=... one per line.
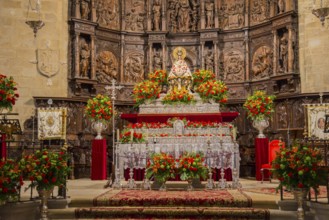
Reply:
x=131, y=181
x=235, y=174
x=222, y=181
x=321, y=12
x=146, y=181
x=210, y=182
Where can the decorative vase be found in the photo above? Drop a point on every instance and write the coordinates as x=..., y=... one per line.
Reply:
x=189, y=185
x=99, y=126
x=163, y=186
x=44, y=194
x=300, y=196
x=261, y=125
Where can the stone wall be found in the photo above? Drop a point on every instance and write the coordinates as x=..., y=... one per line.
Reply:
x=19, y=48
x=313, y=49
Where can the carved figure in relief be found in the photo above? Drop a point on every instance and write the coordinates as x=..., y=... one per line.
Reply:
x=156, y=15
x=233, y=68
x=134, y=69
x=281, y=4
x=209, y=60
x=184, y=16
x=157, y=61
x=107, y=67
x=180, y=75
x=259, y=11
x=172, y=14
x=262, y=62
x=282, y=112
x=107, y=13
x=283, y=55
x=209, y=7
x=84, y=59
x=84, y=10
x=134, y=21
x=223, y=16
x=195, y=15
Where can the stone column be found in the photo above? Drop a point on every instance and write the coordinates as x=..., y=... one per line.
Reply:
x=202, y=55
x=93, y=11
x=202, y=19
x=164, y=16
x=123, y=15
x=275, y=52
x=150, y=57
x=122, y=46
x=290, y=49
x=77, y=9
x=246, y=15
x=149, y=16
x=77, y=54
x=216, y=58
x=163, y=45
x=247, y=53
x=216, y=15
x=92, y=58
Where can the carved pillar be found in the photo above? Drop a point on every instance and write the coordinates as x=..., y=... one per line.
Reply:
x=247, y=53
x=202, y=55
x=275, y=52
x=203, y=17
x=149, y=16
x=92, y=58
x=216, y=15
x=123, y=15
x=150, y=57
x=290, y=4
x=77, y=9
x=246, y=15
x=273, y=8
x=290, y=49
x=163, y=45
x=93, y=11
x=164, y=16
x=122, y=44
x=216, y=58
x=77, y=54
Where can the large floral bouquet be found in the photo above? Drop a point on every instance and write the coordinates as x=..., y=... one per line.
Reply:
x=46, y=169
x=178, y=96
x=129, y=136
x=191, y=165
x=259, y=106
x=297, y=167
x=161, y=166
x=146, y=90
x=99, y=108
x=11, y=180
x=159, y=76
x=213, y=89
x=201, y=76
x=8, y=92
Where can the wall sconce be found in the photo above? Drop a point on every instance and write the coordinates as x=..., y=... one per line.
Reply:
x=321, y=12
x=33, y=20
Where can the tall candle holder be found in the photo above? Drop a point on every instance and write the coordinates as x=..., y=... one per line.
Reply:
x=222, y=181
x=131, y=181
x=146, y=181
x=117, y=181
x=235, y=174
x=210, y=182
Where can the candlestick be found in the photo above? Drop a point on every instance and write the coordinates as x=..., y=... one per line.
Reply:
x=234, y=133
x=118, y=134
x=220, y=133
x=131, y=135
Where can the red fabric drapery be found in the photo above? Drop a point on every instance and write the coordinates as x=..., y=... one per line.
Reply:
x=261, y=155
x=98, y=157
x=3, y=151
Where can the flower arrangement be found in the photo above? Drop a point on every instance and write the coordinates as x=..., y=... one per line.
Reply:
x=46, y=169
x=178, y=97
x=213, y=89
x=191, y=166
x=161, y=166
x=201, y=76
x=128, y=136
x=159, y=76
x=99, y=108
x=146, y=90
x=11, y=180
x=297, y=167
x=259, y=106
x=8, y=92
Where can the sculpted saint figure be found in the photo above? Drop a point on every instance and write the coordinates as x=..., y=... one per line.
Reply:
x=209, y=14
x=180, y=75
x=184, y=16
x=156, y=15
x=84, y=59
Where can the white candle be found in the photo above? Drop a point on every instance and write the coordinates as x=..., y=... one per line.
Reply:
x=220, y=132
x=118, y=134
x=234, y=133
x=131, y=135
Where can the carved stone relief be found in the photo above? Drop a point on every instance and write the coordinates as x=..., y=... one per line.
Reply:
x=183, y=15
x=209, y=60
x=262, y=62
x=107, y=67
x=283, y=53
x=107, y=12
x=85, y=9
x=134, y=67
x=231, y=14
x=282, y=115
x=259, y=11
x=156, y=10
x=233, y=66
x=135, y=16
x=85, y=53
x=157, y=60
x=281, y=6
x=209, y=11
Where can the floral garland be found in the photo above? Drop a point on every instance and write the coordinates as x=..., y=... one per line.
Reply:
x=8, y=92
x=201, y=76
x=99, y=108
x=146, y=90
x=178, y=97
x=298, y=167
x=213, y=89
x=159, y=76
x=161, y=166
x=259, y=106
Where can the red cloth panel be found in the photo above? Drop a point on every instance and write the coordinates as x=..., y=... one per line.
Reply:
x=98, y=157
x=3, y=151
x=261, y=155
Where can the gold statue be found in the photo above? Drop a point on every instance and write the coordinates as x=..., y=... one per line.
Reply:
x=180, y=76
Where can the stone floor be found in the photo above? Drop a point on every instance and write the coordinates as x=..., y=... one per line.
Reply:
x=81, y=192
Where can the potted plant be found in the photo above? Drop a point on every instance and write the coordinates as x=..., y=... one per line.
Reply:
x=8, y=92
x=175, y=96
x=162, y=167
x=191, y=166
x=259, y=108
x=146, y=91
x=11, y=180
x=99, y=109
x=213, y=90
x=201, y=76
